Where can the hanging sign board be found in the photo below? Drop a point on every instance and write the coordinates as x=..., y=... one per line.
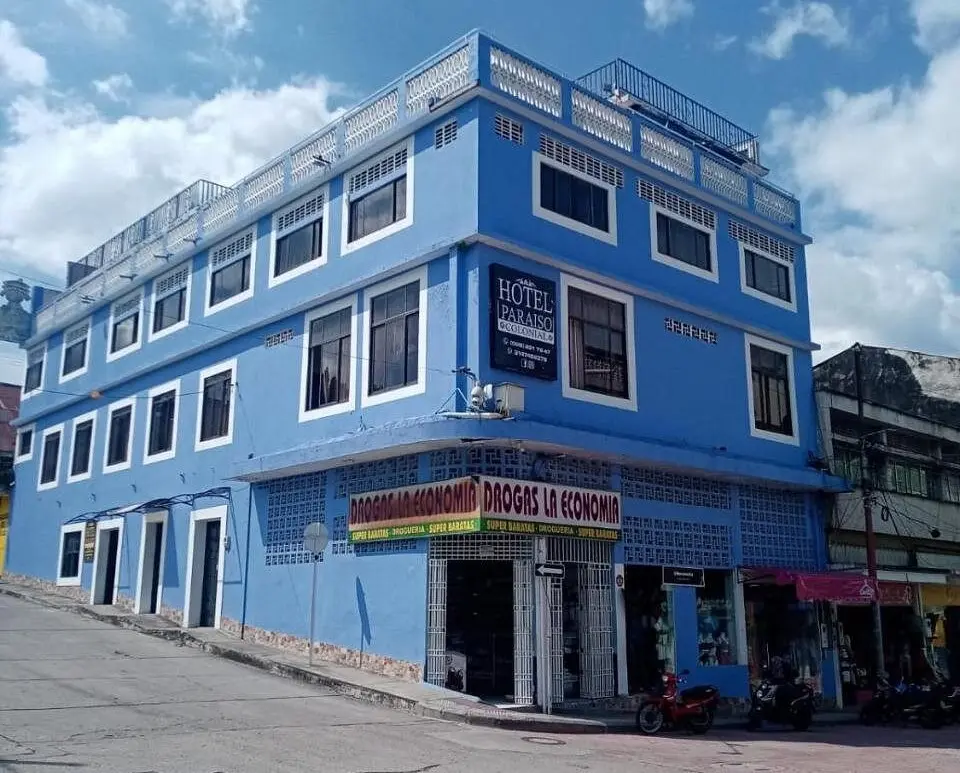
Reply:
x=676, y=575
x=89, y=541
x=523, y=315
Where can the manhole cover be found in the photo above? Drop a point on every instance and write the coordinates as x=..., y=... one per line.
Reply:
x=544, y=741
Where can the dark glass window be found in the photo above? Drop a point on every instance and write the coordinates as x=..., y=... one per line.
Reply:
x=215, y=413
x=70, y=557
x=230, y=280
x=328, y=369
x=573, y=197
x=34, y=376
x=394, y=338
x=118, y=443
x=598, y=344
x=163, y=415
x=299, y=247
x=771, y=391
x=51, y=458
x=82, y=446
x=125, y=332
x=683, y=242
x=169, y=310
x=767, y=276
x=378, y=209
x=75, y=356
x=25, y=439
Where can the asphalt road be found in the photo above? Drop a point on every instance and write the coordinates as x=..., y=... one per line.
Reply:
x=77, y=694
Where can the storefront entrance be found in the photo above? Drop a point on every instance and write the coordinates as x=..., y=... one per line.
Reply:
x=783, y=633
x=649, y=624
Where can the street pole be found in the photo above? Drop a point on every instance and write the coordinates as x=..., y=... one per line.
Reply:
x=313, y=603
x=871, y=537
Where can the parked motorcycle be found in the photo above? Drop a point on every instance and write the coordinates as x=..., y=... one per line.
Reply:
x=693, y=707
x=950, y=701
x=925, y=703
x=784, y=701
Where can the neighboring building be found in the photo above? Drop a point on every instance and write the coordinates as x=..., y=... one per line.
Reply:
x=911, y=433
x=604, y=259
x=9, y=407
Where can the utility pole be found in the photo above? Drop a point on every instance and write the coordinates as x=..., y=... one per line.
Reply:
x=868, y=514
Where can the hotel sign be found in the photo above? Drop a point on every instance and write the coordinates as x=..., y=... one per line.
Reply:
x=481, y=504
x=523, y=318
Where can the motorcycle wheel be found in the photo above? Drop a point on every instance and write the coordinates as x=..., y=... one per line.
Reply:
x=931, y=718
x=649, y=719
x=802, y=719
x=701, y=723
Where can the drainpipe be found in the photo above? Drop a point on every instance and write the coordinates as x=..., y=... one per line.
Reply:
x=246, y=561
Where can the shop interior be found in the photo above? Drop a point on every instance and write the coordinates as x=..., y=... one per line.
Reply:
x=571, y=632
x=650, y=632
x=783, y=633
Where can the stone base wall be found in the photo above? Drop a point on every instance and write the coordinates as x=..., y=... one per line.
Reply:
x=74, y=592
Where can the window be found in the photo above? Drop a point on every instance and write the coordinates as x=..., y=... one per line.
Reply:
x=171, y=301
x=906, y=478
x=950, y=487
x=81, y=452
x=125, y=326
x=683, y=242
x=69, y=563
x=231, y=270
x=379, y=198
x=683, y=232
x=717, y=620
x=395, y=320
x=25, y=444
x=598, y=344
x=573, y=199
x=162, y=402
x=298, y=238
x=328, y=354
x=50, y=457
x=847, y=465
x=215, y=410
x=771, y=393
x=75, y=347
x=767, y=278
x=119, y=436
x=33, y=378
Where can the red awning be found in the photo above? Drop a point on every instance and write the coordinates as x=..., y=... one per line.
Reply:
x=838, y=587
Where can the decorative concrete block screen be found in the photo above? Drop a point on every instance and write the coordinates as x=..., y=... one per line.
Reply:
x=292, y=503
x=668, y=542
x=507, y=463
x=776, y=529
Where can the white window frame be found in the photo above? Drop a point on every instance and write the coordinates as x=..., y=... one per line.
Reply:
x=628, y=403
x=366, y=399
x=135, y=346
x=764, y=343
x=66, y=529
x=247, y=294
x=159, y=516
x=91, y=416
x=86, y=353
x=151, y=336
x=43, y=442
x=213, y=370
x=668, y=260
x=608, y=237
x=194, y=584
x=345, y=407
x=348, y=246
x=19, y=458
x=24, y=394
x=163, y=456
x=130, y=402
x=323, y=213
x=753, y=292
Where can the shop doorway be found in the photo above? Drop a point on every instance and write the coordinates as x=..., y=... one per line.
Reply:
x=649, y=627
x=152, y=552
x=106, y=561
x=783, y=633
x=904, y=650
x=205, y=557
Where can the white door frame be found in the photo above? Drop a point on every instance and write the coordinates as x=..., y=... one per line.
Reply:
x=96, y=580
x=194, y=584
x=145, y=565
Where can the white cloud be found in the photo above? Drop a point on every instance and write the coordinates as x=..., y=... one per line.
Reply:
x=938, y=22
x=723, y=42
x=229, y=17
x=102, y=19
x=19, y=65
x=115, y=87
x=662, y=13
x=877, y=172
x=804, y=18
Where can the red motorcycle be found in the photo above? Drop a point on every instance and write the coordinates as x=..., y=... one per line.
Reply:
x=672, y=707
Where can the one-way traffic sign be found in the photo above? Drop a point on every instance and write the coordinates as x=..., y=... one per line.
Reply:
x=549, y=570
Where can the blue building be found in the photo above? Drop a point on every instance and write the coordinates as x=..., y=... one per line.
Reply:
x=535, y=351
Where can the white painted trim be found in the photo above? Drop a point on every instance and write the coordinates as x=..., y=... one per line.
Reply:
x=348, y=247
x=148, y=519
x=135, y=346
x=609, y=237
x=763, y=343
x=102, y=526
x=194, y=584
x=213, y=370
x=338, y=408
x=63, y=353
x=92, y=417
x=24, y=394
x=310, y=265
x=56, y=428
x=170, y=386
x=669, y=260
x=366, y=399
x=111, y=409
x=747, y=290
x=628, y=403
x=19, y=458
x=187, y=295
x=233, y=300
x=64, y=530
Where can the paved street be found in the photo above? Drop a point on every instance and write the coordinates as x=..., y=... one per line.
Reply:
x=79, y=694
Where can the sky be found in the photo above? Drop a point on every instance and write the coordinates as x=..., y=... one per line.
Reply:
x=108, y=107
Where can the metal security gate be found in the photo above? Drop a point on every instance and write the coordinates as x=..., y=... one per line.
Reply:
x=556, y=641
x=437, y=622
x=523, y=644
